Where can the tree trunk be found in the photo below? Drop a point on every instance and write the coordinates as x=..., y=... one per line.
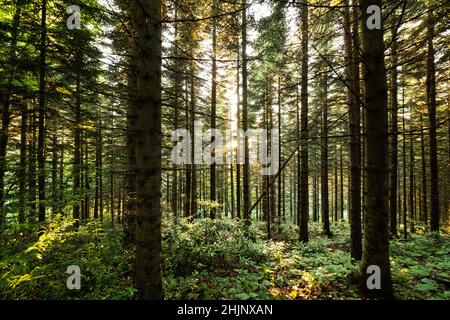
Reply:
x=336, y=184
x=405, y=227
x=86, y=181
x=193, y=197
x=376, y=232
x=212, y=168
x=32, y=166
x=246, y=171
x=299, y=161
x=324, y=159
x=6, y=101
x=353, y=97
x=411, y=181
x=61, y=178
x=188, y=167
x=147, y=15
x=341, y=184
x=41, y=119
x=129, y=220
x=280, y=200
x=97, y=165
x=431, y=103
x=77, y=153
x=23, y=163
x=54, y=170
x=238, y=116
x=304, y=203
x=176, y=102
x=315, y=187
x=394, y=141
x=424, y=174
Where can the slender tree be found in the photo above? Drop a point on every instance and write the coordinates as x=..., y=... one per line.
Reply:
x=147, y=16
x=376, y=232
x=431, y=103
x=304, y=203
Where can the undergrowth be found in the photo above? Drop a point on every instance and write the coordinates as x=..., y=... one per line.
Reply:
x=211, y=259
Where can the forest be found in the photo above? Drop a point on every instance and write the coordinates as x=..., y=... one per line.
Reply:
x=224, y=150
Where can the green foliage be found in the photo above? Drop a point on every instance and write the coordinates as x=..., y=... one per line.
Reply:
x=211, y=259
x=220, y=244
x=39, y=270
x=421, y=266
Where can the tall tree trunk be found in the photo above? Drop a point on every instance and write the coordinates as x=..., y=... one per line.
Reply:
x=32, y=166
x=405, y=227
x=246, y=171
x=272, y=190
x=212, y=168
x=188, y=167
x=82, y=188
x=267, y=207
x=341, y=184
x=86, y=181
x=355, y=141
x=299, y=161
x=23, y=163
x=431, y=103
x=336, y=184
x=41, y=119
x=353, y=97
x=176, y=102
x=112, y=188
x=61, y=187
x=376, y=232
x=424, y=174
x=304, y=201
x=394, y=140
x=147, y=15
x=54, y=170
x=97, y=165
x=193, y=197
x=130, y=179
x=411, y=181
x=315, y=196
x=6, y=101
x=280, y=200
x=324, y=159
x=238, y=117
x=77, y=152
x=232, y=187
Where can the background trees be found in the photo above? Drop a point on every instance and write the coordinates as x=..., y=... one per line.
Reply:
x=87, y=123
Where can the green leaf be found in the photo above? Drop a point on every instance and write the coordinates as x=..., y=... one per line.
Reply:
x=243, y=296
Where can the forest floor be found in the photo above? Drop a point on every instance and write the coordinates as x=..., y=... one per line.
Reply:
x=216, y=259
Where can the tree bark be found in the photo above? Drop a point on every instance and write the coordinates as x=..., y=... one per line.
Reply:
x=41, y=119
x=424, y=174
x=23, y=163
x=376, y=233
x=6, y=101
x=130, y=179
x=304, y=201
x=212, y=168
x=77, y=151
x=55, y=192
x=147, y=14
x=353, y=98
x=431, y=103
x=394, y=141
x=246, y=166
x=324, y=159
